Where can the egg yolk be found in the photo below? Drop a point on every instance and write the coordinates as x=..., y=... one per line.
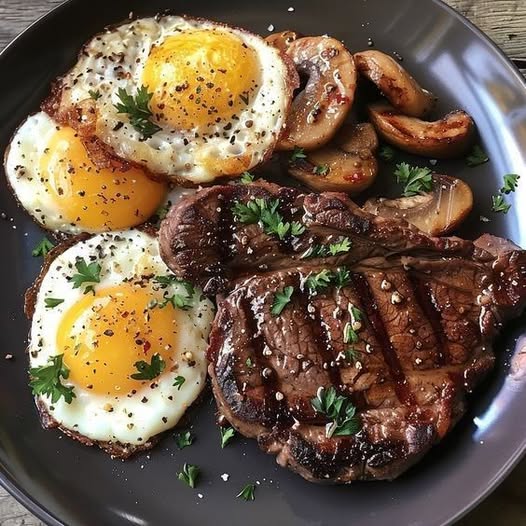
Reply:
x=200, y=77
x=92, y=198
x=103, y=336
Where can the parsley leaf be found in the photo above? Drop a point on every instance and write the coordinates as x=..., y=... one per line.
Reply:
x=339, y=409
x=189, y=474
x=334, y=249
x=499, y=204
x=42, y=248
x=342, y=277
x=416, y=180
x=181, y=301
x=510, y=183
x=296, y=228
x=341, y=247
x=266, y=213
x=95, y=94
x=178, y=382
x=247, y=493
x=352, y=355
x=298, y=153
x=87, y=273
x=281, y=300
x=184, y=439
x=247, y=178
x=322, y=169
x=349, y=334
x=477, y=156
x=356, y=314
x=149, y=371
x=51, y=303
x=319, y=281
x=46, y=380
x=227, y=434
x=386, y=153
x=138, y=110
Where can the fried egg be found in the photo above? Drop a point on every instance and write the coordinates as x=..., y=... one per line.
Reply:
x=105, y=331
x=218, y=95
x=53, y=178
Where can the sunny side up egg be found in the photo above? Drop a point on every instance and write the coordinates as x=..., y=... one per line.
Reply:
x=54, y=179
x=219, y=96
x=130, y=337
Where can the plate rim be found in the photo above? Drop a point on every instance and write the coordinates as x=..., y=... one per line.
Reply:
x=41, y=512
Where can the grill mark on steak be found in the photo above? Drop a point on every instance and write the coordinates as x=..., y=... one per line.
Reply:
x=322, y=340
x=403, y=390
x=418, y=357
x=426, y=300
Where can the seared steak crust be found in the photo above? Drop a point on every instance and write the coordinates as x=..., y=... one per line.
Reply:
x=431, y=308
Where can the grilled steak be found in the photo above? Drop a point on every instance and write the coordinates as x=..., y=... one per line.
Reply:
x=403, y=332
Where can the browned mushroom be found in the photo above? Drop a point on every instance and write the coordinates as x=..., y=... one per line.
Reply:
x=283, y=40
x=446, y=138
x=320, y=108
x=400, y=88
x=346, y=165
x=436, y=213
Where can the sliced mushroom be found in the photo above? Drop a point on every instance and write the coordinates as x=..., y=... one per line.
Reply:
x=320, y=108
x=400, y=88
x=283, y=40
x=436, y=213
x=346, y=165
x=446, y=138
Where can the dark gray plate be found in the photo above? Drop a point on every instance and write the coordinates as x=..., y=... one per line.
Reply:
x=64, y=482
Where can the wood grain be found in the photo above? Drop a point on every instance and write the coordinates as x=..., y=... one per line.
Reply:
x=505, y=22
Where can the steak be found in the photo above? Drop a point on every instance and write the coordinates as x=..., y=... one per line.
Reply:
x=423, y=312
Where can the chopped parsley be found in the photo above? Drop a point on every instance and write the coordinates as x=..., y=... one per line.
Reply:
x=138, y=110
x=281, y=300
x=319, y=281
x=342, y=246
x=249, y=362
x=342, y=277
x=181, y=301
x=184, y=439
x=356, y=314
x=265, y=212
x=247, y=493
x=510, y=183
x=298, y=153
x=227, y=434
x=322, y=169
x=51, y=303
x=499, y=205
x=149, y=371
x=477, y=157
x=46, y=380
x=339, y=410
x=189, y=474
x=178, y=382
x=86, y=273
x=247, y=178
x=352, y=355
x=416, y=180
x=42, y=248
x=95, y=94
x=349, y=334
x=386, y=153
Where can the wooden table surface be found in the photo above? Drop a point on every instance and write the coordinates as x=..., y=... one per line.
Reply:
x=505, y=22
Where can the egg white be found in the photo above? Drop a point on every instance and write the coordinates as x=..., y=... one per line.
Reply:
x=116, y=59
x=22, y=165
x=125, y=419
